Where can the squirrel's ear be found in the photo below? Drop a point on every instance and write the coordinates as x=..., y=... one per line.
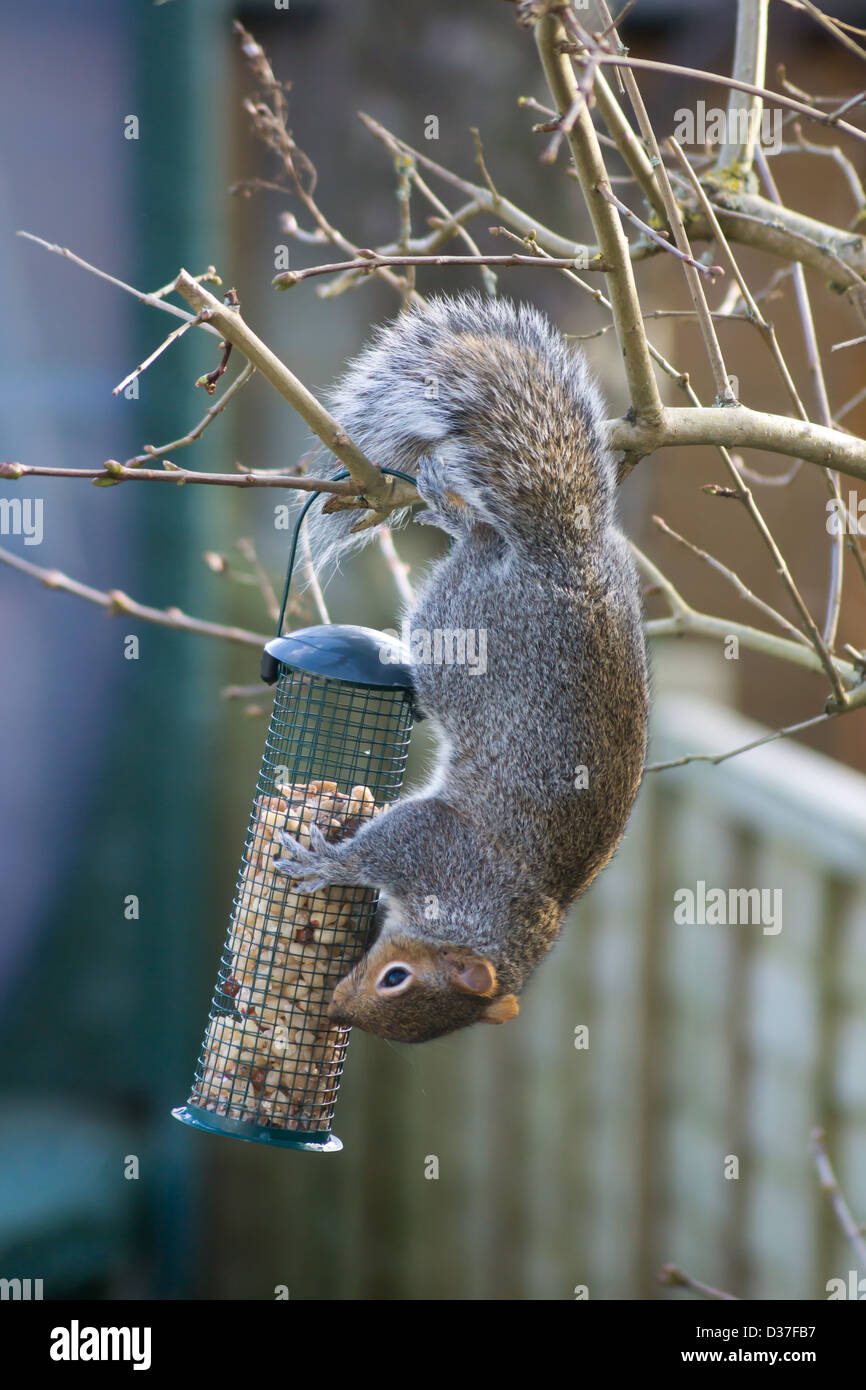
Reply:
x=501, y=1010
x=471, y=974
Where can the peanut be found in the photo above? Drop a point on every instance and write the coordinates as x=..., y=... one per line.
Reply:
x=276, y=1061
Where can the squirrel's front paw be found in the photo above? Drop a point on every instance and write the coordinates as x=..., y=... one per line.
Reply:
x=316, y=867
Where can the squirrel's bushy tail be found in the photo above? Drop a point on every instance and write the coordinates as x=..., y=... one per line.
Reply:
x=496, y=396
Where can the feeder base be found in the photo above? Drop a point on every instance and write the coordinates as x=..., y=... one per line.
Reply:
x=321, y=1142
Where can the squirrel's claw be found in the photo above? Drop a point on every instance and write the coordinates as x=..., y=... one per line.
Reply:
x=289, y=842
x=317, y=839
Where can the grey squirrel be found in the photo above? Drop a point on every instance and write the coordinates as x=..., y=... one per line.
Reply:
x=541, y=755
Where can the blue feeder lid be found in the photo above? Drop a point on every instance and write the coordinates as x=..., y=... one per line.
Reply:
x=342, y=652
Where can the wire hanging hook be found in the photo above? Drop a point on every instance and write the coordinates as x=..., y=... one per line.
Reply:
x=338, y=478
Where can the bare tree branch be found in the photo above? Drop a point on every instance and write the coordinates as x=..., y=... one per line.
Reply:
x=716, y=758
x=591, y=171
x=742, y=589
x=687, y=621
x=113, y=472
x=735, y=84
x=372, y=261
x=151, y=452
x=115, y=603
x=744, y=108
x=482, y=200
x=677, y=1278
x=739, y=427
x=155, y=301
x=381, y=491
x=830, y=1185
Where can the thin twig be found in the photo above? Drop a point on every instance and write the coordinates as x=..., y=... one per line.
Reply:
x=270, y=123
x=452, y=225
x=830, y=1185
x=716, y=758
x=742, y=589
x=677, y=1278
x=397, y=568
x=836, y=153
x=155, y=301
x=403, y=170
x=114, y=472
x=382, y=493
x=763, y=325
x=832, y=25
x=687, y=621
x=115, y=602
x=712, y=271
x=724, y=394
x=498, y=206
x=627, y=143
x=150, y=452
x=372, y=261
x=157, y=352
x=700, y=75
x=785, y=575
x=816, y=371
x=247, y=547
x=855, y=400
x=769, y=479
x=674, y=217
x=312, y=579
x=612, y=241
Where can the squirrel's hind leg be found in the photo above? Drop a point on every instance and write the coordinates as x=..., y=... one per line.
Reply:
x=445, y=508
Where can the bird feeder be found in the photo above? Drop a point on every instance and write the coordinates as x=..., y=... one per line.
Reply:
x=270, y=1064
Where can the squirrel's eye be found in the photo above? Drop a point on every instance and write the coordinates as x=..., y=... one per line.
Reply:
x=396, y=975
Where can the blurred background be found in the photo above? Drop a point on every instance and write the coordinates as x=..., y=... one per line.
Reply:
x=558, y=1166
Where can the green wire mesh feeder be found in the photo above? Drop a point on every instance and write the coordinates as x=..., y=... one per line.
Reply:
x=270, y=1064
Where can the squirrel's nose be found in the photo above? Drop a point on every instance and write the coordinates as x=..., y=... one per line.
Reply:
x=340, y=997
x=335, y=1008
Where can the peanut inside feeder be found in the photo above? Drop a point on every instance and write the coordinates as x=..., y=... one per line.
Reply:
x=270, y=1063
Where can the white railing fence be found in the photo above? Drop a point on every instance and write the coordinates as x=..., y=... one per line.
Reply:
x=681, y=1132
